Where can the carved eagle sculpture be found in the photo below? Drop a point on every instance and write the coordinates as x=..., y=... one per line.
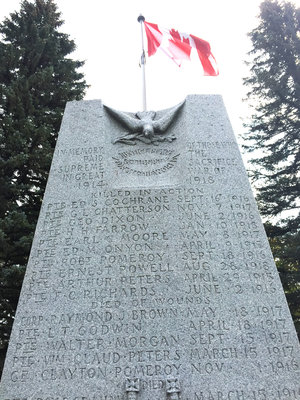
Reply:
x=144, y=127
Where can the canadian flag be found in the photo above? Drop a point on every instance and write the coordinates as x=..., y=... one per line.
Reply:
x=178, y=47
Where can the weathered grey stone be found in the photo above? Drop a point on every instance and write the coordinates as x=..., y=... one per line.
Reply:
x=150, y=275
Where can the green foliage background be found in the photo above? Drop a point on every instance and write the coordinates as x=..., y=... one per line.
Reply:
x=273, y=136
x=37, y=78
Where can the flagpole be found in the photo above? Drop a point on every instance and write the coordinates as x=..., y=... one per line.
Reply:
x=141, y=19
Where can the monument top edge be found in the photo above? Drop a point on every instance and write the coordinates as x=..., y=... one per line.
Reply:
x=190, y=97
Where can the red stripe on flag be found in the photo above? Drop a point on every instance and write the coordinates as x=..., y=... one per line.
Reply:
x=205, y=56
x=154, y=37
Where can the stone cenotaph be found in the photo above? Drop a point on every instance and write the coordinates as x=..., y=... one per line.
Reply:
x=150, y=275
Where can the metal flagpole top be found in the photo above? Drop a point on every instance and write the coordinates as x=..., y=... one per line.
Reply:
x=141, y=19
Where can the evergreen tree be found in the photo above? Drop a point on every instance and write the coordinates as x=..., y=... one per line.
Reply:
x=286, y=251
x=273, y=135
x=275, y=90
x=37, y=78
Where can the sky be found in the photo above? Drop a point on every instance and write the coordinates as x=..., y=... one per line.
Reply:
x=108, y=38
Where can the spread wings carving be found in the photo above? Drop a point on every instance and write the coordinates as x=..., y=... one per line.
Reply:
x=144, y=127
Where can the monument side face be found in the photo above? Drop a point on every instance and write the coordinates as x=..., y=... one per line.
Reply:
x=150, y=275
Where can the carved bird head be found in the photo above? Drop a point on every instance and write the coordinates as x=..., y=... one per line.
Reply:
x=147, y=118
x=148, y=130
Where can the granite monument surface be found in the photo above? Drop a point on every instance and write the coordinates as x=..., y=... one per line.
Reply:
x=150, y=275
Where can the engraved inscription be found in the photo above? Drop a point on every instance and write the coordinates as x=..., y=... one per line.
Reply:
x=146, y=162
x=152, y=291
